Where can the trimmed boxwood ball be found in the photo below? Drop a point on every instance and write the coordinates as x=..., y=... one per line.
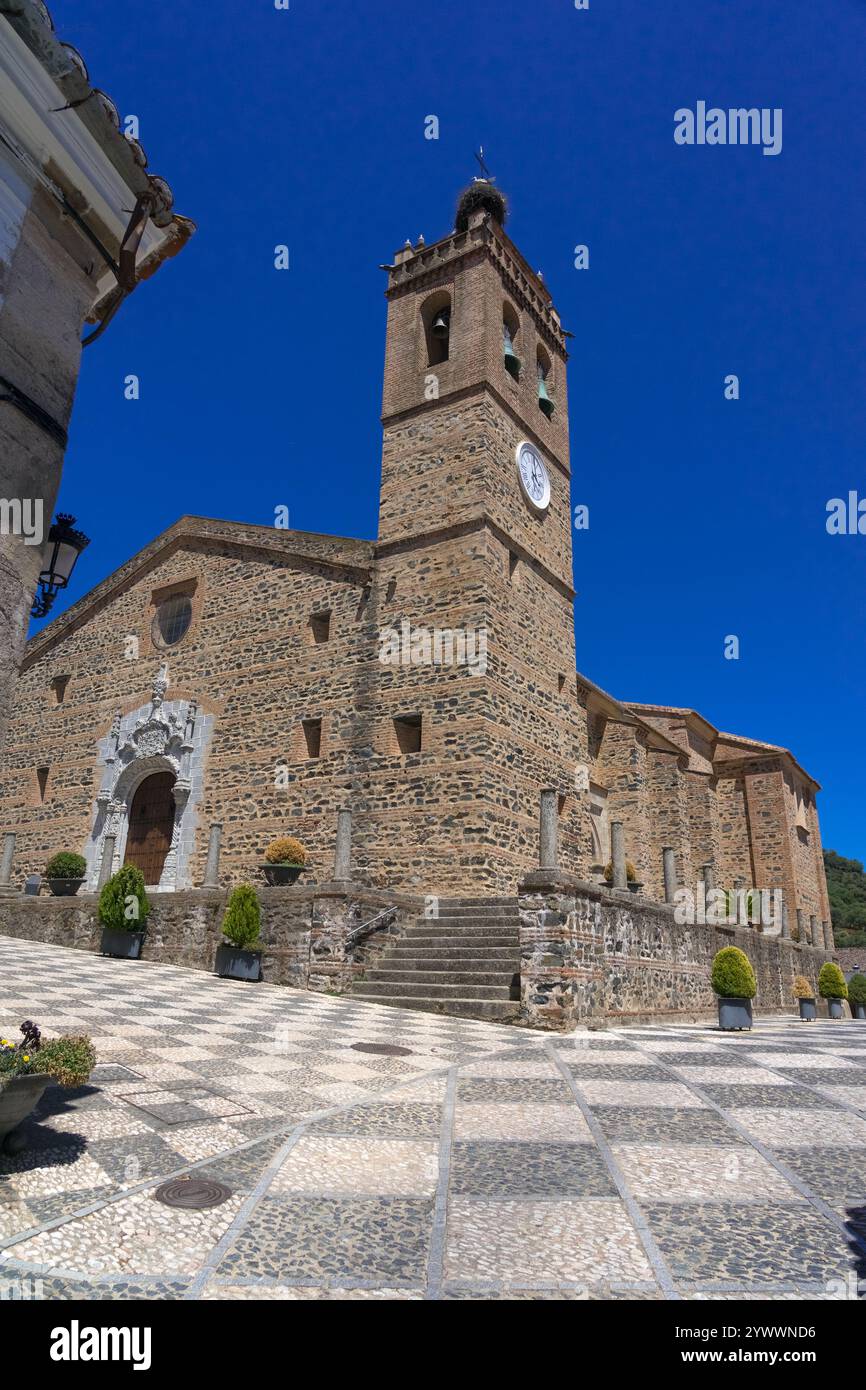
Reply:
x=123, y=904
x=831, y=982
x=732, y=975
x=857, y=989
x=243, y=916
x=286, y=850
x=630, y=872
x=66, y=865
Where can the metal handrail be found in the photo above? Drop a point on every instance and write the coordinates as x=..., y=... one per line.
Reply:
x=358, y=933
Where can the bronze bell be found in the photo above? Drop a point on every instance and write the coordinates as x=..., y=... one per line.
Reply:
x=544, y=401
x=442, y=324
x=512, y=361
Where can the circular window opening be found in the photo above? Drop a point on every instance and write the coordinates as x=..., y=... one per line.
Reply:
x=172, y=620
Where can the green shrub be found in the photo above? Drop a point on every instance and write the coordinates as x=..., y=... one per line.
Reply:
x=66, y=865
x=857, y=989
x=243, y=916
x=68, y=1060
x=286, y=850
x=732, y=974
x=630, y=872
x=831, y=982
x=801, y=988
x=123, y=902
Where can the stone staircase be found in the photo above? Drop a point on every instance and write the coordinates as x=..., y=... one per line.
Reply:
x=464, y=962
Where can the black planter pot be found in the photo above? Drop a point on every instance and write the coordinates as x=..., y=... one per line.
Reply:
x=808, y=1010
x=124, y=944
x=834, y=1008
x=280, y=875
x=277, y=875
x=734, y=1014
x=64, y=887
x=18, y=1097
x=859, y=1010
x=237, y=963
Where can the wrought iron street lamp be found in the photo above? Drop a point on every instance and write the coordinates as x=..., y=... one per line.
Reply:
x=65, y=544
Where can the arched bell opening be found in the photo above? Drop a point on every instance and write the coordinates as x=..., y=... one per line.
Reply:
x=543, y=367
x=436, y=318
x=510, y=341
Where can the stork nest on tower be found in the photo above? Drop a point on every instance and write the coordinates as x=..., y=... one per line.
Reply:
x=480, y=194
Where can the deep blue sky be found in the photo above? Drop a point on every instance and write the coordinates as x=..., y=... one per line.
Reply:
x=260, y=388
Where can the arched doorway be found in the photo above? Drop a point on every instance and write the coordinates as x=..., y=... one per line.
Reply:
x=151, y=821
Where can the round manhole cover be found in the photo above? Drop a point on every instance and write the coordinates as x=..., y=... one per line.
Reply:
x=194, y=1194
x=383, y=1049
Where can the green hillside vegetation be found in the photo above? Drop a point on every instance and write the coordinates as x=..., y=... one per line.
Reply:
x=846, y=885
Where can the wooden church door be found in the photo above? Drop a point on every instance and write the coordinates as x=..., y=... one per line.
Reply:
x=151, y=820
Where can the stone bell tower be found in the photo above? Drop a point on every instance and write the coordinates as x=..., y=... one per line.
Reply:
x=475, y=538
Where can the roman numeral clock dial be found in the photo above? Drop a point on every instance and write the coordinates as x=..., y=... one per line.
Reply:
x=534, y=479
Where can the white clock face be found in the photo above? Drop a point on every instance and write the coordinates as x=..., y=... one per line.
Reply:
x=533, y=476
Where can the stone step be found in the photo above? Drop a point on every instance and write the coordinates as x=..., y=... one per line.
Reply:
x=468, y=929
x=470, y=910
x=455, y=955
x=469, y=920
x=478, y=944
x=390, y=976
x=505, y=963
x=492, y=1010
x=379, y=988
x=479, y=902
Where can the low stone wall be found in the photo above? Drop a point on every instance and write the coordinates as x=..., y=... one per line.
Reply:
x=589, y=954
x=303, y=935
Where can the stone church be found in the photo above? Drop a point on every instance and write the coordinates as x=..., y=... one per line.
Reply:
x=427, y=680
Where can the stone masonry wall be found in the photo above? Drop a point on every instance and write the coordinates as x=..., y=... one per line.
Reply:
x=588, y=954
x=303, y=931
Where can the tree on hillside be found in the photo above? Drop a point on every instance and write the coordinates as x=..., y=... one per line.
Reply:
x=846, y=886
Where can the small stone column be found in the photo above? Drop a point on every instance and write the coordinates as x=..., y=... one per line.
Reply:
x=786, y=926
x=6, y=889
x=212, y=866
x=709, y=877
x=813, y=930
x=828, y=937
x=343, y=850
x=108, y=843
x=617, y=848
x=547, y=830
x=670, y=873
x=801, y=926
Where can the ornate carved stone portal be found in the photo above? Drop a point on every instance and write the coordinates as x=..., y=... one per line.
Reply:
x=159, y=737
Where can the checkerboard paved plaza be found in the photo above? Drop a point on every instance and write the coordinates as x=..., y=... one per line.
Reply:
x=488, y=1162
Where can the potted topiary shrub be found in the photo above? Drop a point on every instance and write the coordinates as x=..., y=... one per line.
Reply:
x=733, y=980
x=27, y=1067
x=123, y=912
x=804, y=993
x=857, y=995
x=630, y=874
x=65, y=874
x=284, y=861
x=832, y=987
x=237, y=958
